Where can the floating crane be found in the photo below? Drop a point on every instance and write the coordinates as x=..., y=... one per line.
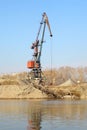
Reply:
x=35, y=64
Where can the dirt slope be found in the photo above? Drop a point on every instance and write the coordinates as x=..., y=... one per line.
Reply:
x=18, y=86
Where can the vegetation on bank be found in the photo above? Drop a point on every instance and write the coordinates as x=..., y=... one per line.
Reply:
x=59, y=76
x=56, y=84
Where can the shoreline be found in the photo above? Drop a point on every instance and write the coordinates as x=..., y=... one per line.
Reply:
x=29, y=92
x=18, y=86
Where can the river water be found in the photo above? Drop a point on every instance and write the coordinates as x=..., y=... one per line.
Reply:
x=43, y=114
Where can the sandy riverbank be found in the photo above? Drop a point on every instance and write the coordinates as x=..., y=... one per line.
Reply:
x=16, y=86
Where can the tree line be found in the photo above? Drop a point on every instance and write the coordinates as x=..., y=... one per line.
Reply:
x=62, y=74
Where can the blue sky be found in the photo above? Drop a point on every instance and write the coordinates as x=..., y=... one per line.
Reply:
x=19, y=23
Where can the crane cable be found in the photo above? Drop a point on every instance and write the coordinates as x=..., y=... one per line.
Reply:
x=51, y=60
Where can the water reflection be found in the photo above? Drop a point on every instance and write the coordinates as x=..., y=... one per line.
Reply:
x=34, y=114
x=35, y=121
x=34, y=117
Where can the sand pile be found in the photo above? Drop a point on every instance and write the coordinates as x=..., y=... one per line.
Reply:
x=17, y=86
